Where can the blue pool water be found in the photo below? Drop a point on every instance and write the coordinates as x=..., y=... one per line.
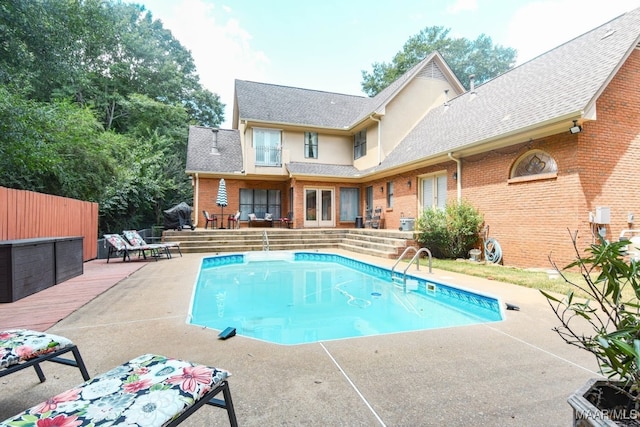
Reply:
x=303, y=297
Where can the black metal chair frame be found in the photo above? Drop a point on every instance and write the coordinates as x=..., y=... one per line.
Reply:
x=210, y=399
x=50, y=357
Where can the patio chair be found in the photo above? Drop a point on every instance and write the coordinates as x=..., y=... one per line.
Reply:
x=151, y=390
x=234, y=220
x=368, y=218
x=22, y=348
x=135, y=239
x=210, y=219
x=120, y=247
x=377, y=218
x=287, y=221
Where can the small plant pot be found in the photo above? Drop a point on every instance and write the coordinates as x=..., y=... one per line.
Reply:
x=599, y=403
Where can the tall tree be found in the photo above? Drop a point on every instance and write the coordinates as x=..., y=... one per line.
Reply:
x=95, y=100
x=465, y=57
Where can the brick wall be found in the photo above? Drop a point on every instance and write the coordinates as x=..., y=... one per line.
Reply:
x=597, y=167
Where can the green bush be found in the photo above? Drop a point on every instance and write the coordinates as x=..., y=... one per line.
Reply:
x=451, y=232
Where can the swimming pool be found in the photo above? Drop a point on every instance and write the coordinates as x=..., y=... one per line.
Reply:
x=303, y=297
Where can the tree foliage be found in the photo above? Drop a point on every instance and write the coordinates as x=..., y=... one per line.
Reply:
x=95, y=99
x=465, y=57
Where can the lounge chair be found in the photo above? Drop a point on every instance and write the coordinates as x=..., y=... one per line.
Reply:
x=22, y=348
x=120, y=247
x=135, y=239
x=210, y=219
x=150, y=390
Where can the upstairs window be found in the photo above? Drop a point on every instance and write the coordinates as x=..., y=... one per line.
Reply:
x=268, y=147
x=360, y=144
x=534, y=162
x=311, y=145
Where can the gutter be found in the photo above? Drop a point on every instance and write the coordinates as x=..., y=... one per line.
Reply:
x=458, y=174
x=379, y=137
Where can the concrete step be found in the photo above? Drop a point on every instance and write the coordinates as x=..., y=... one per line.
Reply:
x=382, y=243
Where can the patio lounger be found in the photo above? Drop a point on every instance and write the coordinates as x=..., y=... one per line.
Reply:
x=119, y=246
x=135, y=239
x=149, y=390
x=22, y=348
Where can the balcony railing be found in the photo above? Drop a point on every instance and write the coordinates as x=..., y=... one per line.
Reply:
x=268, y=156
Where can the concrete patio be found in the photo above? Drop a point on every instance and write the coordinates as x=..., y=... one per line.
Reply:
x=516, y=372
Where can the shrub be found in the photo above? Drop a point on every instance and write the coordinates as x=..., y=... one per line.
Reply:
x=450, y=232
x=607, y=323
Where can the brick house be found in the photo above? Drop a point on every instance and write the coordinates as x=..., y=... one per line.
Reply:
x=549, y=147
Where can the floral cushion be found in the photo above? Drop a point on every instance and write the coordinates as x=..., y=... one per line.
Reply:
x=134, y=238
x=116, y=241
x=150, y=390
x=18, y=345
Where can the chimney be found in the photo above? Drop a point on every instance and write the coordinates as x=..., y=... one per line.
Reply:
x=472, y=84
x=214, y=144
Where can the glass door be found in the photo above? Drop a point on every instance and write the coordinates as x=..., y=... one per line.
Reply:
x=318, y=207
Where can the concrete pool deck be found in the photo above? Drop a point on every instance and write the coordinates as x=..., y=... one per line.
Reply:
x=516, y=372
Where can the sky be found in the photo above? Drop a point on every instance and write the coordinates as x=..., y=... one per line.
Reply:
x=327, y=44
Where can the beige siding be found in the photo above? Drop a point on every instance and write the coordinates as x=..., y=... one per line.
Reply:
x=332, y=149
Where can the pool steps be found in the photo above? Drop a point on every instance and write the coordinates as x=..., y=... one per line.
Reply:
x=382, y=243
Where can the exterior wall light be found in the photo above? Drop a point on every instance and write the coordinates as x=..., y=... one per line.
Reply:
x=576, y=128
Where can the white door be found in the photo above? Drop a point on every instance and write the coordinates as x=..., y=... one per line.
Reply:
x=434, y=192
x=318, y=207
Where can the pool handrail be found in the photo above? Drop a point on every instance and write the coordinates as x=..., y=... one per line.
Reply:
x=415, y=257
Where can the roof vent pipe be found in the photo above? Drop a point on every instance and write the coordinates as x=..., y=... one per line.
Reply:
x=214, y=143
x=472, y=84
x=446, y=97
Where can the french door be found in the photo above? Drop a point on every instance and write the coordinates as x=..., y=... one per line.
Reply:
x=318, y=207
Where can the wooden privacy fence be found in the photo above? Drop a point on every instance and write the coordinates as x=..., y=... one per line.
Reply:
x=28, y=215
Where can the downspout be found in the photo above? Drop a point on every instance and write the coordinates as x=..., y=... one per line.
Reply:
x=379, y=137
x=458, y=176
x=196, y=199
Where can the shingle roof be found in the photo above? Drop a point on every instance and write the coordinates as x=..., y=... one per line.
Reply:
x=561, y=82
x=322, y=169
x=282, y=104
x=199, y=157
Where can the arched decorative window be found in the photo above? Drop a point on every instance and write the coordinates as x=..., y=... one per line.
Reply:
x=534, y=162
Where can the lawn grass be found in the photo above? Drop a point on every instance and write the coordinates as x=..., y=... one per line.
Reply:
x=537, y=279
